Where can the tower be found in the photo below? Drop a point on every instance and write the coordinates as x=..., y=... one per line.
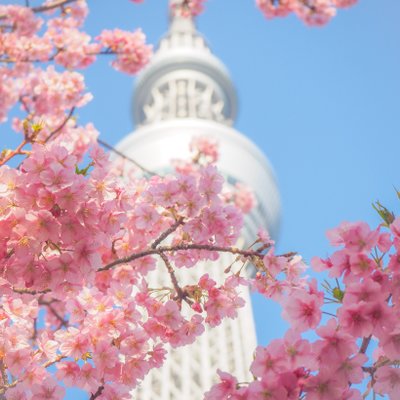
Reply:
x=183, y=93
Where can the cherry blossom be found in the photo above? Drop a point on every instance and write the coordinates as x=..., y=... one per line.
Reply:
x=81, y=234
x=312, y=12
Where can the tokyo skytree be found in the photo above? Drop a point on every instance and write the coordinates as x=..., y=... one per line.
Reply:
x=186, y=92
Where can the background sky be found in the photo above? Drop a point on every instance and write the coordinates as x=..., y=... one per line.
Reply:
x=322, y=103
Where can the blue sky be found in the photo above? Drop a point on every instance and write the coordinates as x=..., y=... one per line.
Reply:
x=322, y=103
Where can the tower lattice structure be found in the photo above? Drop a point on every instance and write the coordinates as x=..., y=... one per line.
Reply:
x=183, y=93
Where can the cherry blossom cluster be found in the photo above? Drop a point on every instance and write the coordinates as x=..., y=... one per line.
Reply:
x=187, y=8
x=312, y=12
x=81, y=235
x=28, y=38
x=129, y=47
x=79, y=242
x=357, y=344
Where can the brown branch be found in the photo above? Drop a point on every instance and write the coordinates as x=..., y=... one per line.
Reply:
x=369, y=370
x=24, y=105
x=48, y=7
x=125, y=157
x=179, y=292
x=3, y=373
x=169, y=249
x=8, y=60
x=165, y=234
x=97, y=394
x=13, y=153
x=108, y=52
x=32, y=292
x=58, y=129
x=49, y=305
x=311, y=7
x=52, y=6
x=364, y=344
x=35, y=331
x=19, y=150
x=45, y=365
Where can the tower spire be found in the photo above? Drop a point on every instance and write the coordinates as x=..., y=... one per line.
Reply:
x=179, y=9
x=184, y=79
x=179, y=22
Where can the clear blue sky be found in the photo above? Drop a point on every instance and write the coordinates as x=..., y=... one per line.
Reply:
x=322, y=103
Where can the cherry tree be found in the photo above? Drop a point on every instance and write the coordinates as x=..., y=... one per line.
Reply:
x=80, y=234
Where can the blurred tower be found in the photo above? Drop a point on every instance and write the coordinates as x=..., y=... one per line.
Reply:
x=183, y=93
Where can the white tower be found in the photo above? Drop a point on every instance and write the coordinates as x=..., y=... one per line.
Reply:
x=186, y=92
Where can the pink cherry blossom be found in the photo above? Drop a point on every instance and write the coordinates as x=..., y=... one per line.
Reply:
x=388, y=381
x=88, y=378
x=47, y=390
x=18, y=359
x=224, y=389
x=303, y=310
x=132, y=52
x=80, y=237
x=324, y=386
x=68, y=372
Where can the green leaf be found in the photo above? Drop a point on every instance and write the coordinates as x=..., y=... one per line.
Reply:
x=82, y=171
x=387, y=216
x=338, y=294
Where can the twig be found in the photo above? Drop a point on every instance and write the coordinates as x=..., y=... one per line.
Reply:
x=364, y=344
x=13, y=153
x=45, y=365
x=8, y=60
x=98, y=393
x=58, y=129
x=35, y=331
x=3, y=373
x=48, y=7
x=52, y=6
x=49, y=305
x=125, y=157
x=24, y=105
x=52, y=362
x=311, y=7
x=168, y=249
x=165, y=234
x=180, y=293
x=328, y=313
x=32, y=292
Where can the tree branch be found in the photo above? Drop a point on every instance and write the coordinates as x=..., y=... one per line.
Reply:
x=364, y=344
x=125, y=157
x=165, y=234
x=45, y=365
x=4, y=376
x=47, y=7
x=169, y=249
x=35, y=331
x=49, y=305
x=179, y=292
x=52, y=6
x=58, y=129
x=12, y=153
x=97, y=394
x=32, y=292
